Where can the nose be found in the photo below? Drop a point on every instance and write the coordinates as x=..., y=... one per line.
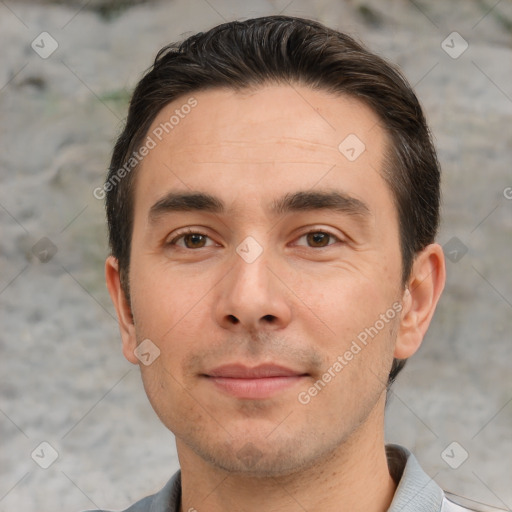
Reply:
x=253, y=297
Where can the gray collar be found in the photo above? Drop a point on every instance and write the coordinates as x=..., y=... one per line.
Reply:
x=416, y=491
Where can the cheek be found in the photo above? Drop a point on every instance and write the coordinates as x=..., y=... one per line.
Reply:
x=175, y=323
x=345, y=303
x=166, y=301
x=361, y=320
x=356, y=373
x=165, y=391
x=169, y=311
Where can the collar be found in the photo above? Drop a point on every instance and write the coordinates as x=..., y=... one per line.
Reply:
x=416, y=491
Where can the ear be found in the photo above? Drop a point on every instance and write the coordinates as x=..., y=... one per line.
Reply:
x=123, y=309
x=421, y=295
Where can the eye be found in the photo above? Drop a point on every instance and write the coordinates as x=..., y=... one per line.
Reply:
x=191, y=240
x=318, y=239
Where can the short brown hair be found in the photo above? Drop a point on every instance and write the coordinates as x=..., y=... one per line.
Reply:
x=287, y=50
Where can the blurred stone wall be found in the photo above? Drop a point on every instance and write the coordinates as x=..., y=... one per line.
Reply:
x=66, y=72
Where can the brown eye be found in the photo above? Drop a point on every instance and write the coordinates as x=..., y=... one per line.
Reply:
x=191, y=240
x=318, y=239
x=194, y=241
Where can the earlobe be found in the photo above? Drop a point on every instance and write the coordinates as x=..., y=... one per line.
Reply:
x=420, y=299
x=123, y=309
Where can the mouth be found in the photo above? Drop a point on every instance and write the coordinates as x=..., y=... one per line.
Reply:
x=253, y=383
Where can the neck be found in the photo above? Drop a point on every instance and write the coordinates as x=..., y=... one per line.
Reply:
x=354, y=478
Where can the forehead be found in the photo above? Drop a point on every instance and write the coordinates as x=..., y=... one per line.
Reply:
x=274, y=136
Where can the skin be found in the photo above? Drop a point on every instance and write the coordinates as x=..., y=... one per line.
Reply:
x=300, y=304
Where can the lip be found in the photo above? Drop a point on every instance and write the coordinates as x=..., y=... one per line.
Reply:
x=240, y=371
x=259, y=382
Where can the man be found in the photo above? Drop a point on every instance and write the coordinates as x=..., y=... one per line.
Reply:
x=273, y=203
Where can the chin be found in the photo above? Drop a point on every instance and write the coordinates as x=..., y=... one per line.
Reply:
x=254, y=460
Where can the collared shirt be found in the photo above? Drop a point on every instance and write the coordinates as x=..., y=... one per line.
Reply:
x=416, y=491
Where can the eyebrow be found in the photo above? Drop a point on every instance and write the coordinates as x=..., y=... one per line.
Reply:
x=318, y=200
x=185, y=202
x=292, y=202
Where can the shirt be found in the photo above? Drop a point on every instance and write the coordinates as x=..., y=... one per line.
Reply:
x=416, y=491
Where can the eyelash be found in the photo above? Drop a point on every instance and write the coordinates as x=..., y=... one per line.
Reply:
x=195, y=232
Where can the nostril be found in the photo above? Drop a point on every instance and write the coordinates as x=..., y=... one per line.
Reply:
x=269, y=318
x=233, y=319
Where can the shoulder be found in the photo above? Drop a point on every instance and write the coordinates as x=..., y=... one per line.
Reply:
x=418, y=492
x=454, y=503
x=166, y=500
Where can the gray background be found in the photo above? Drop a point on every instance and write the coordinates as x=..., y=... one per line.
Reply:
x=63, y=377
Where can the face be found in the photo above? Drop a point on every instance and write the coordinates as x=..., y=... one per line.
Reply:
x=266, y=270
